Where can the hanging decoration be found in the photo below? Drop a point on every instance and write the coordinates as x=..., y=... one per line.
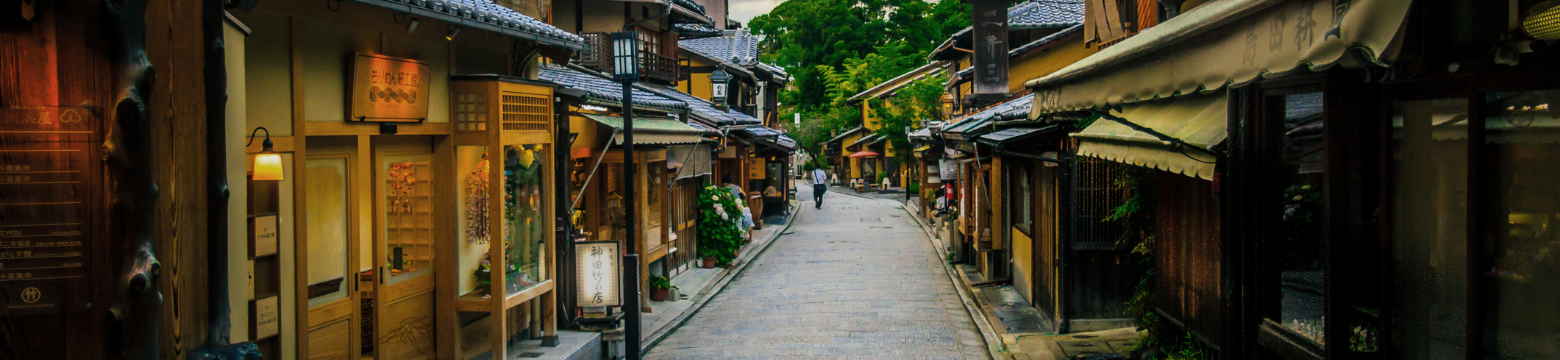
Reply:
x=403, y=183
x=477, y=225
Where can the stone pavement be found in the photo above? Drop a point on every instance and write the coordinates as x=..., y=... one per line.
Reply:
x=856, y=279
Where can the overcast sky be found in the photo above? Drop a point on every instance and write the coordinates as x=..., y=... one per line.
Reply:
x=745, y=10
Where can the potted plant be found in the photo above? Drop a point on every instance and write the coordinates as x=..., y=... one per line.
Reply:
x=660, y=286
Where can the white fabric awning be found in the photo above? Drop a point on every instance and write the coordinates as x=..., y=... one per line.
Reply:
x=1198, y=120
x=1225, y=43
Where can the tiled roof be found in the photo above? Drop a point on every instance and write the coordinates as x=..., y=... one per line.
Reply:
x=1058, y=35
x=846, y=133
x=1032, y=14
x=485, y=15
x=1045, y=13
x=690, y=5
x=975, y=124
x=689, y=31
x=736, y=46
x=603, y=92
x=702, y=110
x=1016, y=134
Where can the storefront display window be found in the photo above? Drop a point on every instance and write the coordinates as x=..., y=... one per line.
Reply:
x=407, y=212
x=1299, y=261
x=326, y=185
x=655, y=218
x=525, y=230
x=1428, y=188
x=1521, y=286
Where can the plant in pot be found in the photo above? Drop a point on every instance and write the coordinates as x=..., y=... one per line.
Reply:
x=719, y=234
x=660, y=287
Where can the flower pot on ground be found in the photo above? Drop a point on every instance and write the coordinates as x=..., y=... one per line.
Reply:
x=659, y=287
x=709, y=263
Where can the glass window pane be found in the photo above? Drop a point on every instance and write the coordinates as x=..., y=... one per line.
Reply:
x=326, y=185
x=408, y=216
x=1522, y=142
x=1429, y=187
x=654, y=213
x=525, y=204
x=473, y=174
x=1299, y=252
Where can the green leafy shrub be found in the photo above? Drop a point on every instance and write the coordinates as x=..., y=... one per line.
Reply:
x=719, y=234
x=659, y=282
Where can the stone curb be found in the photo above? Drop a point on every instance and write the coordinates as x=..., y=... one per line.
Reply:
x=994, y=344
x=714, y=287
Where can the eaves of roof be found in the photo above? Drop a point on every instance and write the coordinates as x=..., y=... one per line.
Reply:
x=601, y=91
x=487, y=16
x=898, y=81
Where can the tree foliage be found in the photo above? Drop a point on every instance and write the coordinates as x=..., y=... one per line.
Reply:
x=919, y=100
x=837, y=48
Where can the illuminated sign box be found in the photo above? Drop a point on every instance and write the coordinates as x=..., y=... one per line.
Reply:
x=597, y=265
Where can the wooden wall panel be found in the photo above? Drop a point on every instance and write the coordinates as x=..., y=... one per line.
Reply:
x=330, y=341
x=407, y=330
x=1187, y=255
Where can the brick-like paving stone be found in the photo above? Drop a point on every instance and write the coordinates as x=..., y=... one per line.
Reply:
x=856, y=279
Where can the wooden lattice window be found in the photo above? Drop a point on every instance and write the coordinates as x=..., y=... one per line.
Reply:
x=525, y=112
x=470, y=112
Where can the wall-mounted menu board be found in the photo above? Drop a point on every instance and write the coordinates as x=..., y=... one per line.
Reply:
x=46, y=212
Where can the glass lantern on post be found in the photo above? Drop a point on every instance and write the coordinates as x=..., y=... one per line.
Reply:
x=625, y=56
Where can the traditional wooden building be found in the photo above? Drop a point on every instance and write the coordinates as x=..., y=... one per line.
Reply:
x=1361, y=184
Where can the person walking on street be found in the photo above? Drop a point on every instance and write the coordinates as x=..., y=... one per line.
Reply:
x=820, y=185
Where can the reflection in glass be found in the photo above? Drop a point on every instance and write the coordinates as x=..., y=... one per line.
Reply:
x=1299, y=262
x=525, y=227
x=654, y=213
x=407, y=216
x=326, y=185
x=1522, y=140
x=1429, y=187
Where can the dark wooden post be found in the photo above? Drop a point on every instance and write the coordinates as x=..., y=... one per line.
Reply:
x=127, y=156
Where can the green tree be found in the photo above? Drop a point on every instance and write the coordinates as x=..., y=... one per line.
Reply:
x=919, y=100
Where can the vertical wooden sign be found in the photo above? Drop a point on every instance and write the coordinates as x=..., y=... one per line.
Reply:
x=991, y=46
x=46, y=175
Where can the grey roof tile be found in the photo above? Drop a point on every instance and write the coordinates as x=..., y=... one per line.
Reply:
x=702, y=110
x=486, y=15
x=604, y=92
x=736, y=46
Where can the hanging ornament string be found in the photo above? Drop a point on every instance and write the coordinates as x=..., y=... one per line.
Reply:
x=477, y=225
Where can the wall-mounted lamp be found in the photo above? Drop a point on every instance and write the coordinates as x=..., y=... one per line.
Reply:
x=411, y=26
x=268, y=163
x=454, y=30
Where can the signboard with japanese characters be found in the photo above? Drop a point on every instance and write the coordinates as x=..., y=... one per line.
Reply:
x=268, y=317
x=47, y=178
x=991, y=46
x=386, y=89
x=597, y=265
x=264, y=232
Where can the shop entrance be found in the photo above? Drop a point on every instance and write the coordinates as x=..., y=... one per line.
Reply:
x=405, y=231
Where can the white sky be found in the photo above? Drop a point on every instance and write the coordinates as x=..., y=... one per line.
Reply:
x=745, y=10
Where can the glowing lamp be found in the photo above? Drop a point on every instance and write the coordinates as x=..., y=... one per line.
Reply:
x=268, y=163
x=1542, y=21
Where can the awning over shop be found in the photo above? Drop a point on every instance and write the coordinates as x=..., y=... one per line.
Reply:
x=689, y=160
x=773, y=138
x=652, y=130
x=1199, y=120
x=862, y=154
x=1225, y=43
x=1014, y=135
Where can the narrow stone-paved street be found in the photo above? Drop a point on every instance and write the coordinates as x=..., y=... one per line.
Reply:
x=856, y=279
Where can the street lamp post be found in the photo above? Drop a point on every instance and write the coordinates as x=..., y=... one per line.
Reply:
x=625, y=69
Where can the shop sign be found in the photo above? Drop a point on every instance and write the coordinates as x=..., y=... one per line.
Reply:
x=597, y=267
x=45, y=213
x=386, y=89
x=991, y=46
x=264, y=240
x=268, y=317
x=756, y=168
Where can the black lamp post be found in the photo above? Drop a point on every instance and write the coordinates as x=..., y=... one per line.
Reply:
x=719, y=81
x=625, y=69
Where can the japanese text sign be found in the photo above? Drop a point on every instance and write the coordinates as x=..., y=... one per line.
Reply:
x=597, y=265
